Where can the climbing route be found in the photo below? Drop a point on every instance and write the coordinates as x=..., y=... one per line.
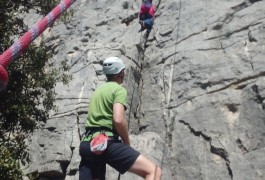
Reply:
x=166, y=114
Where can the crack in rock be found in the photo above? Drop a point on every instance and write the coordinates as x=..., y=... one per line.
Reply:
x=251, y=38
x=218, y=151
x=260, y=99
x=130, y=18
x=244, y=5
x=238, y=81
x=241, y=146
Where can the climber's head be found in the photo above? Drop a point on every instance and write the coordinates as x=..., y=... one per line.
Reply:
x=113, y=68
x=147, y=1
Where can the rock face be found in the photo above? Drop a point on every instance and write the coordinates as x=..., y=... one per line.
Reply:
x=195, y=93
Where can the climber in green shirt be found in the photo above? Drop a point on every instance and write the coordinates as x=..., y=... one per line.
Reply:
x=107, y=115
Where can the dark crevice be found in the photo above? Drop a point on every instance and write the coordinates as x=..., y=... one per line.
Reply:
x=158, y=4
x=254, y=1
x=232, y=107
x=194, y=34
x=241, y=146
x=72, y=147
x=64, y=165
x=78, y=123
x=141, y=48
x=71, y=171
x=196, y=133
x=222, y=153
x=141, y=128
x=51, y=129
x=82, y=56
x=170, y=128
x=211, y=83
x=139, y=108
x=164, y=59
x=243, y=5
x=218, y=151
x=130, y=18
x=204, y=85
x=218, y=26
x=238, y=82
x=137, y=111
x=131, y=103
x=141, y=58
x=223, y=48
x=251, y=37
x=260, y=99
x=102, y=22
x=71, y=98
x=133, y=60
x=239, y=7
x=241, y=86
x=81, y=112
x=237, y=85
x=55, y=174
x=210, y=49
x=187, y=99
x=228, y=34
x=228, y=17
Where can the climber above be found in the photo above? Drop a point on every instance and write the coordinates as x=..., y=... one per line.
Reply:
x=146, y=16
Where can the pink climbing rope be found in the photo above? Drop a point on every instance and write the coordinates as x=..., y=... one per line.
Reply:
x=22, y=44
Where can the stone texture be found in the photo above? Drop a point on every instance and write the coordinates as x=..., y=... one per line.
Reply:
x=195, y=94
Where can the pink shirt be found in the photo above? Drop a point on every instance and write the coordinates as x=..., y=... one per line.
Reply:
x=147, y=8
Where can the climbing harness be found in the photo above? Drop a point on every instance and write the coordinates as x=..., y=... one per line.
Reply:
x=22, y=44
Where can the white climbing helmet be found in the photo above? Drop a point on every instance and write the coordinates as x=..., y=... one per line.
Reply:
x=113, y=65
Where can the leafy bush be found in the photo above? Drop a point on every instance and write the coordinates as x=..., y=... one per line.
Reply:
x=9, y=167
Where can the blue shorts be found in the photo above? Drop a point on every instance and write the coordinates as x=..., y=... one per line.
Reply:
x=148, y=21
x=118, y=155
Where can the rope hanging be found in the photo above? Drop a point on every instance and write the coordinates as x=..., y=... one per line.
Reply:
x=23, y=43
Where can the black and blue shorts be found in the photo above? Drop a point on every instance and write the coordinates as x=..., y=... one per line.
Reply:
x=118, y=155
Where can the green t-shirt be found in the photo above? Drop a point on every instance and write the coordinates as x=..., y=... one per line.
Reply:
x=100, y=112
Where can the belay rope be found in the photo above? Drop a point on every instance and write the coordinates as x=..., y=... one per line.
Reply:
x=22, y=44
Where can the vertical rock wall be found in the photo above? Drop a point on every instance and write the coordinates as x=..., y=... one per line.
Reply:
x=195, y=94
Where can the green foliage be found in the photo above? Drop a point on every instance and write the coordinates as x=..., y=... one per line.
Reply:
x=30, y=92
x=9, y=167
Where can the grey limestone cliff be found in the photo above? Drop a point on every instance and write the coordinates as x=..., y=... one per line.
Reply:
x=195, y=92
